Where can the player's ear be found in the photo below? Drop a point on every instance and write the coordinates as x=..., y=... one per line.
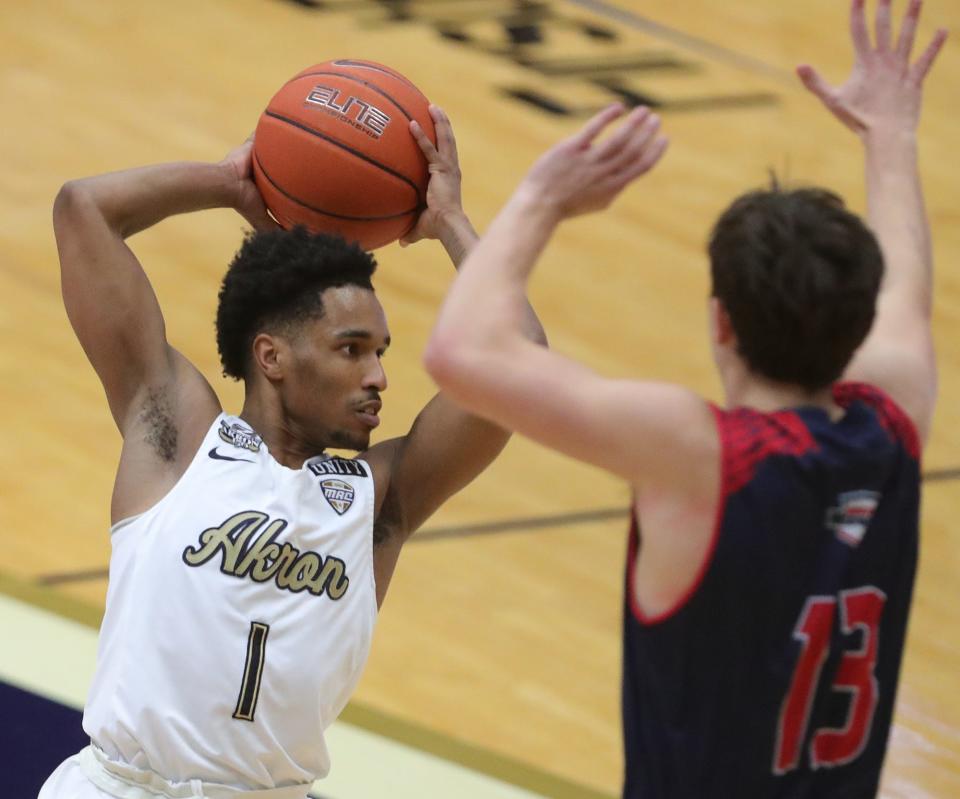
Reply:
x=270, y=354
x=721, y=329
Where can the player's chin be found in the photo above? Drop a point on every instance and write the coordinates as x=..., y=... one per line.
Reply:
x=350, y=440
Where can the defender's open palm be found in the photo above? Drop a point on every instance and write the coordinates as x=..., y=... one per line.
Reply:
x=580, y=175
x=884, y=88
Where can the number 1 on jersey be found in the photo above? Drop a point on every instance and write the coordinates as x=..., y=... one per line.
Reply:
x=253, y=671
x=860, y=609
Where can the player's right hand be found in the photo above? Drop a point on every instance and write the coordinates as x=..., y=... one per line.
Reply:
x=579, y=175
x=248, y=202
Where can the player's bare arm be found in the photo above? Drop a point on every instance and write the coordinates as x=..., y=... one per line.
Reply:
x=161, y=404
x=880, y=101
x=447, y=446
x=485, y=363
x=661, y=438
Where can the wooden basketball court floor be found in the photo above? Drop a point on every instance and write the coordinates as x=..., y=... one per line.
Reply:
x=499, y=644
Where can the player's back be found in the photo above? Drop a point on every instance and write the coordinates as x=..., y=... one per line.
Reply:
x=777, y=676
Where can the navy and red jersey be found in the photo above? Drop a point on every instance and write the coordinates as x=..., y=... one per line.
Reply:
x=776, y=675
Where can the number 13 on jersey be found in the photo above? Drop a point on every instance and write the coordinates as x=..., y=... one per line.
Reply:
x=860, y=610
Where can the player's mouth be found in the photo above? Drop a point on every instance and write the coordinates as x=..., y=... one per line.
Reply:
x=369, y=413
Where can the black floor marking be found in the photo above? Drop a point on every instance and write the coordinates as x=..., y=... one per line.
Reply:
x=487, y=528
x=939, y=475
x=681, y=39
x=513, y=525
x=73, y=577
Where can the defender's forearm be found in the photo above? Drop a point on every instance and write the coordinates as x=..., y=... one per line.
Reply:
x=460, y=239
x=898, y=216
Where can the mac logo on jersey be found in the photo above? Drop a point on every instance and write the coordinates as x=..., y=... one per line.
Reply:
x=339, y=494
x=247, y=547
x=240, y=436
x=852, y=514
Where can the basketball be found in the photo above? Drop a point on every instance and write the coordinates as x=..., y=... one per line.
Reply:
x=333, y=152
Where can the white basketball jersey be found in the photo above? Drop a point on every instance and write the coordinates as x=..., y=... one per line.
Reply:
x=239, y=616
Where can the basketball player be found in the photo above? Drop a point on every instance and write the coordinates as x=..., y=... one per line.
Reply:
x=774, y=541
x=247, y=565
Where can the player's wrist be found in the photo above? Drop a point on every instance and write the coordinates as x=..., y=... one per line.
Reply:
x=887, y=137
x=536, y=205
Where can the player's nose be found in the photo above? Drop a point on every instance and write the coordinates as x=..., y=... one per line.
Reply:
x=375, y=376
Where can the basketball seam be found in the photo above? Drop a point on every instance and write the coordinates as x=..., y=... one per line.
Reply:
x=346, y=62
x=362, y=156
x=369, y=85
x=313, y=208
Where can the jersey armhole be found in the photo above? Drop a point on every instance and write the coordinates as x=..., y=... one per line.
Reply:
x=372, y=494
x=722, y=493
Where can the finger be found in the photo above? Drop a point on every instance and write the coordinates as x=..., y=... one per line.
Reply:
x=919, y=70
x=858, y=29
x=815, y=83
x=648, y=160
x=624, y=134
x=423, y=140
x=637, y=145
x=597, y=123
x=908, y=30
x=883, y=25
x=446, y=141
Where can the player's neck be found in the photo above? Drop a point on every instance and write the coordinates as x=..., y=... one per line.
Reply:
x=752, y=391
x=285, y=446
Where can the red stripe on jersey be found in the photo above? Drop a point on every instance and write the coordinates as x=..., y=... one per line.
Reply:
x=749, y=437
x=892, y=417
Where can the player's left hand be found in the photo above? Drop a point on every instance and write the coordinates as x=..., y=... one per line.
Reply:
x=443, y=191
x=247, y=200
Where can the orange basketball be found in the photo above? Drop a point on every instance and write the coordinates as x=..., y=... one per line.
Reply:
x=333, y=151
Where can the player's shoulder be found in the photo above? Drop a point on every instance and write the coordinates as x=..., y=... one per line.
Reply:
x=894, y=419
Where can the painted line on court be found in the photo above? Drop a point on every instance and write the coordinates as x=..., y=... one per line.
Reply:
x=517, y=525
x=681, y=39
x=488, y=528
x=941, y=475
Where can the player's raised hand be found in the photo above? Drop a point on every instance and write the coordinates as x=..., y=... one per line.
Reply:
x=443, y=191
x=580, y=175
x=884, y=89
x=248, y=202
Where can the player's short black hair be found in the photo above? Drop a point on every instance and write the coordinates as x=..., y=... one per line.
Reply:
x=275, y=282
x=798, y=275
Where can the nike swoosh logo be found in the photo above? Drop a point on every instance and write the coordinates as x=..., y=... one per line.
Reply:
x=218, y=457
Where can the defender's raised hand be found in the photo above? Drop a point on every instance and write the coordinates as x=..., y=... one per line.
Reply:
x=884, y=88
x=580, y=175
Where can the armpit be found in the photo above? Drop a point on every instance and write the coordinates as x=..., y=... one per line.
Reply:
x=157, y=418
x=389, y=520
